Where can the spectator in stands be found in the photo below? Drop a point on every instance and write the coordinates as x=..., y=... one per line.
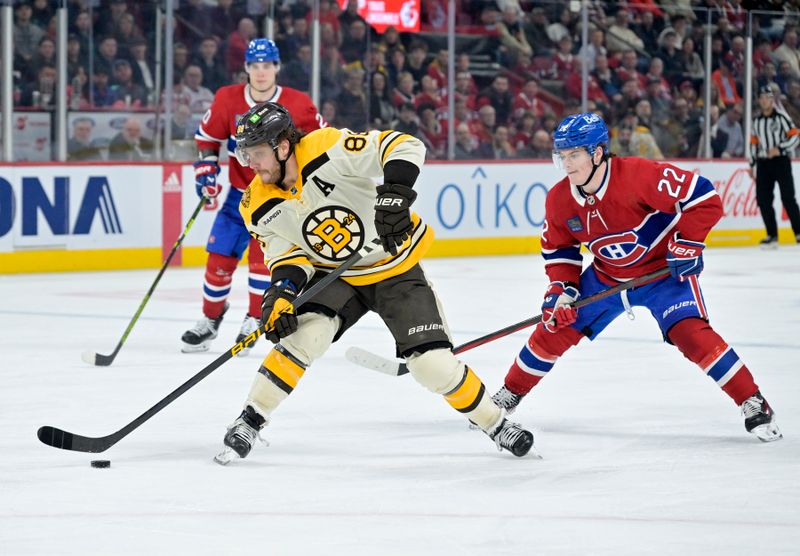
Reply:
x=26, y=34
x=688, y=92
x=595, y=48
x=730, y=123
x=110, y=13
x=620, y=36
x=564, y=60
x=375, y=60
x=354, y=44
x=606, y=78
x=512, y=34
x=463, y=64
x=78, y=90
x=381, y=109
x=224, y=17
x=41, y=13
x=182, y=128
x=406, y=121
x=594, y=91
x=724, y=33
x=128, y=93
x=144, y=72
x=81, y=147
x=350, y=14
x=329, y=113
x=438, y=69
x=499, y=97
x=429, y=93
x=717, y=140
x=297, y=73
x=195, y=96
x=331, y=74
x=643, y=142
x=82, y=28
x=75, y=58
x=466, y=144
x=684, y=126
x=670, y=56
x=659, y=103
x=620, y=143
x=692, y=66
x=180, y=56
x=536, y=32
x=298, y=37
x=788, y=52
x=725, y=84
x=648, y=29
x=562, y=26
x=434, y=134
x=525, y=127
x=483, y=127
x=106, y=54
x=630, y=96
x=390, y=40
x=194, y=21
x=656, y=72
x=129, y=144
x=502, y=149
x=628, y=69
x=40, y=93
x=45, y=55
x=416, y=64
x=783, y=76
x=404, y=92
x=352, y=101
x=237, y=44
x=762, y=54
x=396, y=66
x=540, y=147
x=103, y=95
x=528, y=101
x=126, y=32
x=792, y=101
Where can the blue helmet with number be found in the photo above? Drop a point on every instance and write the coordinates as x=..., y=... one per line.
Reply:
x=581, y=130
x=262, y=50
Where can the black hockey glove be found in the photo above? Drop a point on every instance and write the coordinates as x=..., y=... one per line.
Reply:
x=392, y=215
x=277, y=311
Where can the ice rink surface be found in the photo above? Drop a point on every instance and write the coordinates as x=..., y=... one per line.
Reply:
x=643, y=454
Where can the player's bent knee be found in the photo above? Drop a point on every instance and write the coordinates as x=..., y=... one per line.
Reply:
x=314, y=335
x=437, y=370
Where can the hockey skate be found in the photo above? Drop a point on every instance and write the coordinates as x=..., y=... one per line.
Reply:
x=241, y=436
x=769, y=242
x=759, y=419
x=199, y=338
x=506, y=399
x=249, y=325
x=511, y=436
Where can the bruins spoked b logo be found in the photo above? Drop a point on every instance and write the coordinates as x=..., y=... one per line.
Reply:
x=334, y=233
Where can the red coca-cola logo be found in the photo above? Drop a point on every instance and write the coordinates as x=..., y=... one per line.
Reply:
x=738, y=194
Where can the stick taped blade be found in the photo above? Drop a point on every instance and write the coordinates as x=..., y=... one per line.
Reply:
x=89, y=357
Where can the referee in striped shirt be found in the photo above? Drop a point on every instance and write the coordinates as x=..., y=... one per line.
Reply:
x=773, y=141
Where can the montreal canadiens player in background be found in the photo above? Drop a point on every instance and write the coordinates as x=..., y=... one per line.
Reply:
x=229, y=237
x=635, y=216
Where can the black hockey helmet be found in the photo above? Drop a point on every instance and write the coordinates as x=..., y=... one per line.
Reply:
x=268, y=123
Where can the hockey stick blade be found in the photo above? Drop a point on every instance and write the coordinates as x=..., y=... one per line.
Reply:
x=58, y=438
x=98, y=359
x=393, y=367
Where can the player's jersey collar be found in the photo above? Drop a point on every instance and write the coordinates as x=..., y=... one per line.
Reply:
x=582, y=199
x=251, y=102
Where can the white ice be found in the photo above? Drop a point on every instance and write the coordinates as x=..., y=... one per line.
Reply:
x=643, y=454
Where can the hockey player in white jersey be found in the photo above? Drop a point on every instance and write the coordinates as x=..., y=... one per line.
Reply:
x=312, y=204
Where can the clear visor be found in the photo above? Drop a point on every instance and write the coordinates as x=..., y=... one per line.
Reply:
x=570, y=158
x=248, y=155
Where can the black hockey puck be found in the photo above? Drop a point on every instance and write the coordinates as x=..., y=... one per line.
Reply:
x=101, y=463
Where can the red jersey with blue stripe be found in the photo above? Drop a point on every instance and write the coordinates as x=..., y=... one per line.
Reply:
x=627, y=223
x=218, y=126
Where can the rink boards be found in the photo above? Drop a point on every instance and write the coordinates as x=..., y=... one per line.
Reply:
x=105, y=216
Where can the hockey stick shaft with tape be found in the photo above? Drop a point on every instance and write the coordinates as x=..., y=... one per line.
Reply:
x=59, y=438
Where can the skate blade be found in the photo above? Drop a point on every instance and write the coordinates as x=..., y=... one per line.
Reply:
x=188, y=348
x=768, y=432
x=226, y=456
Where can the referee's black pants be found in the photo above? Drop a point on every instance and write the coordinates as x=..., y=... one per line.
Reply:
x=768, y=171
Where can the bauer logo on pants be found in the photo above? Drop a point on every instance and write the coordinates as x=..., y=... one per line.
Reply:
x=334, y=233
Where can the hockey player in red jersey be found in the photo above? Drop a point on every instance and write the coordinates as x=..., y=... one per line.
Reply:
x=229, y=237
x=635, y=216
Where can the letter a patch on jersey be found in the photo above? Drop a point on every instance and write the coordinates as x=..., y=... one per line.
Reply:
x=574, y=224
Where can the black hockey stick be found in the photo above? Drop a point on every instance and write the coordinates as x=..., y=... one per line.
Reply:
x=393, y=367
x=94, y=358
x=58, y=438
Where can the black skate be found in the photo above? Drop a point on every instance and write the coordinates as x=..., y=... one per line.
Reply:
x=249, y=325
x=506, y=399
x=199, y=338
x=512, y=437
x=240, y=436
x=759, y=419
x=769, y=242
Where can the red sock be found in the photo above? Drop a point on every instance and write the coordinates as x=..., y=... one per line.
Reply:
x=217, y=283
x=701, y=345
x=538, y=356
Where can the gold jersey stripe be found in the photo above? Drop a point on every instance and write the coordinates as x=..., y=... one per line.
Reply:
x=393, y=142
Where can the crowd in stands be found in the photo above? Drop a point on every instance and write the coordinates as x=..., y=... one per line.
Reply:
x=518, y=69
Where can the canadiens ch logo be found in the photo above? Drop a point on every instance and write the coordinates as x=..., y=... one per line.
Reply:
x=618, y=249
x=334, y=233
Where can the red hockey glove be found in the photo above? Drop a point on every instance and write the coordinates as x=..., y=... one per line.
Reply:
x=684, y=257
x=557, y=311
x=205, y=178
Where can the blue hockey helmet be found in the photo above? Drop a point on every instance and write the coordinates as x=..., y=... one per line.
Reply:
x=262, y=50
x=581, y=130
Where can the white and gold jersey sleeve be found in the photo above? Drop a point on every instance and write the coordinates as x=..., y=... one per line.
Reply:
x=329, y=213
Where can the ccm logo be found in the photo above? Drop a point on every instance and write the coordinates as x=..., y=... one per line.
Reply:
x=389, y=202
x=684, y=251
